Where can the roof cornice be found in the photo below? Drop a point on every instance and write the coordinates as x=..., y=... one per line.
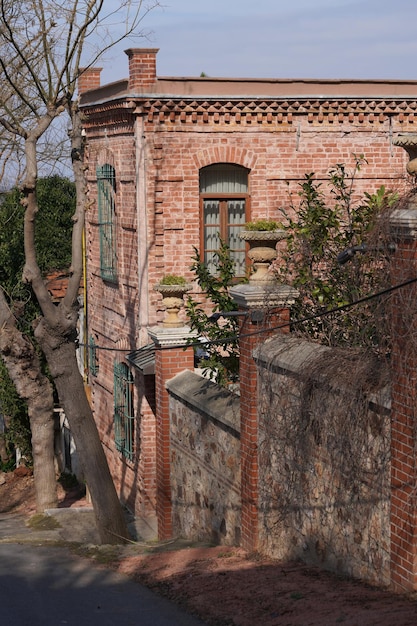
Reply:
x=255, y=110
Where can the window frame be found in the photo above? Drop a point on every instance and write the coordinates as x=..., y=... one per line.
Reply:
x=106, y=201
x=223, y=199
x=124, y=413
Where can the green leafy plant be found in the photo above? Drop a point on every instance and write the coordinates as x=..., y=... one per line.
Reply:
x=262, y=224
x=318, y=230
x=56, y=197
x=172, y=279
x=218, y=334
x=18, y=433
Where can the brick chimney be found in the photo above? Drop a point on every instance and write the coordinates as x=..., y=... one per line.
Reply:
x=142, y=68
x=89, y=78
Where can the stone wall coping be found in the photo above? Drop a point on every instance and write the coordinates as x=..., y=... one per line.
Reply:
x=291, y=354
x=171, y=337
x=403, y=222
x=272, y=295
x=217, y=403
x=287, y=353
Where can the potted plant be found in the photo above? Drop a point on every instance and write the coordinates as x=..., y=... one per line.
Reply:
x=172, y=288
x=262, y=236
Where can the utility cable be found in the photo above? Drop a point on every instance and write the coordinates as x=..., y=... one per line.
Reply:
x=303, y=320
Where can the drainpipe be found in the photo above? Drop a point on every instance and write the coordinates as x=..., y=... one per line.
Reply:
x=85, y=321
x=142, y=229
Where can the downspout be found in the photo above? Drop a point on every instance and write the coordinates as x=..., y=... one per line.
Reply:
x=142, y=230
x=85, y=326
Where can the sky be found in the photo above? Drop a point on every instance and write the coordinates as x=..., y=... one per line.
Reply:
x=278, y=39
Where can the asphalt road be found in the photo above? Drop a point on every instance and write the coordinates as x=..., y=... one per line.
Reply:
x=48, y=586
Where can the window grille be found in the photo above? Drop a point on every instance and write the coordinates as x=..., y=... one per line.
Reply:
x=124, y=422
x=106, y=189
x=92, y=356
x=224, y=199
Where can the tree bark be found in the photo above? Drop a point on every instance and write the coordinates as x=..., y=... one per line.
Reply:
x=25, y=371
x=61, y=356
x=40, y=75
x=56, y=333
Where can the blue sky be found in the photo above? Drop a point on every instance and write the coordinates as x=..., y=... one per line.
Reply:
x=279, y=39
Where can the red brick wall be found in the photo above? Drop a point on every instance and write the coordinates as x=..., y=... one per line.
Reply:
x=168, y=363
x=403, y=415
x=250, y=337
x=112, y=317
x=142, y=67
x=89, y=78
x=176, y=153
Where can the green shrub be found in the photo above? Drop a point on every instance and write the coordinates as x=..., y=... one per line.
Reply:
x=173, y=279
x=319, y=228
x=262, y=224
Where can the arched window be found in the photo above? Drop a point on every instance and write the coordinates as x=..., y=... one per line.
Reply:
x=224, y=206
x=124, y=419
x=106, y=190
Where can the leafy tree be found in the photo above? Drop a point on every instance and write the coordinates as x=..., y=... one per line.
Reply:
x=56, y=198
x=318, y=230
x=219, y=334
x=15, y=419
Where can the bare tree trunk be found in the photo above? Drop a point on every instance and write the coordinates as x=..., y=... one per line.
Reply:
x=61, y=356
x=25, y=371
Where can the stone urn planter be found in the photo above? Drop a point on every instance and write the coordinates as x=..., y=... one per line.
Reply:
x=172, y=288
x=262, y=249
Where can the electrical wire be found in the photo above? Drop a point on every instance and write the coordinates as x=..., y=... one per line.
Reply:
x=303, y=320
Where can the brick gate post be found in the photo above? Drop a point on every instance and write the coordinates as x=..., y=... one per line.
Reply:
x=263, y=309
x=170, y=359
x=404, y=402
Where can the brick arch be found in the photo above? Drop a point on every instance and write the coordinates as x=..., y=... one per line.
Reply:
x=122, y=345
x=105, y=156
x=225, y=154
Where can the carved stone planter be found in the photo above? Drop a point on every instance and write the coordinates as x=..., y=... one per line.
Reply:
x=262, y=252
x=173, y=300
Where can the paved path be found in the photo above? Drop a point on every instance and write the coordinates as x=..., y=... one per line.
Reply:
x=47, y=585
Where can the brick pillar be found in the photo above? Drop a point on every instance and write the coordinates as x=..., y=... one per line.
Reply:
x=89, y=78
x=170, y=359
x=404, y=403
x=264, y=309
x=142, y=68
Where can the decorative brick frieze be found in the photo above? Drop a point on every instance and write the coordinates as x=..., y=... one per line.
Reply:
x=267, y=112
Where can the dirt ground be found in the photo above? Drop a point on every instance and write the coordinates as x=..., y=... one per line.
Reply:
x=226, y=586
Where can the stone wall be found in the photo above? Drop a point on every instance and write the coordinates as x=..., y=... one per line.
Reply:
x=205, y=460
x=324, y=459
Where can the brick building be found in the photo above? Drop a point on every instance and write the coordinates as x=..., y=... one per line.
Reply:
x=172, y=163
